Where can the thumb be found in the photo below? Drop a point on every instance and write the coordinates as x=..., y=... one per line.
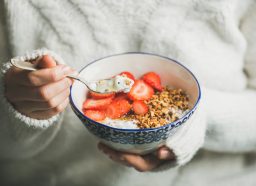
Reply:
x=165, y=153
x=46, y=61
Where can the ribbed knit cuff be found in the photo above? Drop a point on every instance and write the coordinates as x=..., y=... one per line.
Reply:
x=12, y=112
x=186, y=141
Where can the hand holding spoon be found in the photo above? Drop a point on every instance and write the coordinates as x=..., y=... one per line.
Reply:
x=115, y=84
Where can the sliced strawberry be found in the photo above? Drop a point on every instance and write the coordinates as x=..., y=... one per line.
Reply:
x=97, y=103
x=128, y=74
x=96, y=115
x=139, y=107
x=118, y=108
x=96, y=95
x=153, y=80
x=140, y=91
x=120, y=96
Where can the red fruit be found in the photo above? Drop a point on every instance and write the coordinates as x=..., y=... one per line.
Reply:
x=140, y=91
x=128, y=74
x=96, y=95
x=97, y=103
x=153, y=80
x=118, y=108
x=46, y=62
x=97, y=115
x=139, y=107
x=120, y=96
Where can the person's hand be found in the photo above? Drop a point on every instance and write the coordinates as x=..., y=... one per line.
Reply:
x=39, y=94
x=141, y=163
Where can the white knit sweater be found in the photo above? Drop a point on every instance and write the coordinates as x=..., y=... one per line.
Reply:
x=215, y=39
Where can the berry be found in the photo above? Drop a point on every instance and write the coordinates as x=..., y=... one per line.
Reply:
x=96, y=115
x=120, y=96
x=140, y=91
x=96, y=95
x=139, y=107
x=128, y=74
x=118, y=108
x=97, y=103
x=153, y=80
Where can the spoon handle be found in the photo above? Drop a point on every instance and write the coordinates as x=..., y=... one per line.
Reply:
x=77, y=77
x=32, y=67
x=23, y=65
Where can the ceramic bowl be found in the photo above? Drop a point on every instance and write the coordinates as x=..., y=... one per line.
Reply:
x=139, y=141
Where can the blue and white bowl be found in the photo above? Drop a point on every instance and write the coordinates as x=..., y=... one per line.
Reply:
x=139, y=141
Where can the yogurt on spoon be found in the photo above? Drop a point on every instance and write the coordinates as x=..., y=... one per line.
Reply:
x=118, y=83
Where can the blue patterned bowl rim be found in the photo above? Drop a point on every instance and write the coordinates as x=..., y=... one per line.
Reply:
x=146, y=129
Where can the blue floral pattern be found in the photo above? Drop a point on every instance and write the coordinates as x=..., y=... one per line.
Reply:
x=131, y=137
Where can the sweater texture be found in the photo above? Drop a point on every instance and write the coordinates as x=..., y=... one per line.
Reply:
x=215, y=39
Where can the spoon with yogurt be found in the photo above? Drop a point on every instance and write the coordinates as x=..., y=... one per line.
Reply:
x=118, y=83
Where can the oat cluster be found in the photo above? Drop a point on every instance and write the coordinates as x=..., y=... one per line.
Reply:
x=164, y=107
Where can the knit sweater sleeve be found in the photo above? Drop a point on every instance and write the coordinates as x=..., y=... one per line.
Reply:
x=231, y=121
x=22, y=136
x=232, y=116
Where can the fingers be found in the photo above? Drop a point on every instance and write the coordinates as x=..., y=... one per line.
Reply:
x=43, y=93
x=41, y=77
x=49, y=113
x=46, y=61
x=112, y=154
x=30, y=106
x=140, y=163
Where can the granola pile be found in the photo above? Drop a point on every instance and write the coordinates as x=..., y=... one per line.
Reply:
x=164, y=107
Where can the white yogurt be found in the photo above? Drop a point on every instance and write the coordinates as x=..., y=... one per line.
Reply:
x=121, y=124
x=116, y=84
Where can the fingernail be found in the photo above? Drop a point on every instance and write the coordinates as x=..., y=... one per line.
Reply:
x=66, y=70
x=74, y=72
x=165, y=154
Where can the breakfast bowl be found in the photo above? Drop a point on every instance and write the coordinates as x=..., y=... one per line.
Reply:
x=139, y=140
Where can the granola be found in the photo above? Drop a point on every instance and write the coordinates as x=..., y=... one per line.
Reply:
x=164, y=107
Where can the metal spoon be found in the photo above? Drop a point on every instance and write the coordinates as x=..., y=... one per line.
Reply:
x=32, y=67
x=90, y=85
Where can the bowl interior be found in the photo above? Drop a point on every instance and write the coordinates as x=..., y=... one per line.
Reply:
x=171, y=73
